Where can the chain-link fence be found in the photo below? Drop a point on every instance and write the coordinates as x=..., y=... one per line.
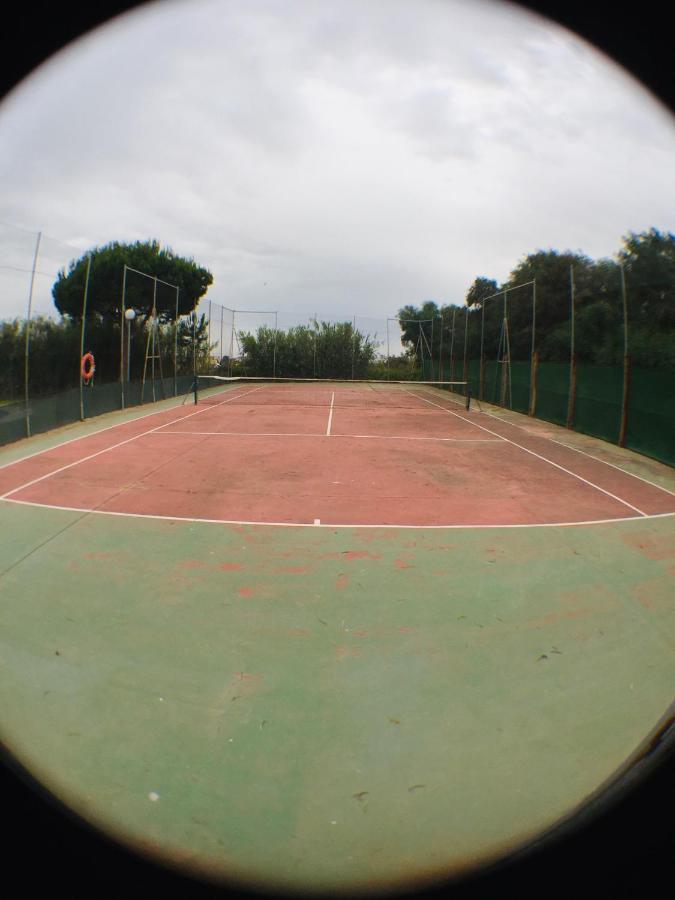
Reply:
x=57, y=367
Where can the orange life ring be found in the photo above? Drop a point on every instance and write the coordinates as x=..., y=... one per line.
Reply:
x=88, y=366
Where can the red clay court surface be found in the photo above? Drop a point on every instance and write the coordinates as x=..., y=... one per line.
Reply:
x=331, y=455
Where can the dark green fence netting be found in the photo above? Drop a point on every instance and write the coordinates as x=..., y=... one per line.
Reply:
x=47, y=413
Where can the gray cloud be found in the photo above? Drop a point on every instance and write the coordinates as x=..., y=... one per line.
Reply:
x=344, y=156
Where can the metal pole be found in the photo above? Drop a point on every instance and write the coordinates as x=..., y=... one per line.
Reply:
x=229, y=367
x=128, y=350
x=466, y=333
x=208, y=352
x=573, y=369
x=194, y=351
x=432, y=349
x=482, y=344
x=440, y=352
x=175, y=350
x=452, y=345
x=353, y=346
x=508, y=347
x=27, y=347
x=315, y=337
x=388, y=371
x=154, y=335
x=82, y=328
x=533, y=367
x=220, y=345
x=124, y=290
x=623, y=427
x=274, y=352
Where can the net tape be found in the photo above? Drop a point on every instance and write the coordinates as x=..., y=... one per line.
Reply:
x=261, y=391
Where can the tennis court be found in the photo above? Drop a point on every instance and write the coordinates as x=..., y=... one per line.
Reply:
x=331, y=636
x=333, y=455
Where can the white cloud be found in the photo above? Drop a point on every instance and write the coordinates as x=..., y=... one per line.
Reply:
x=343, y=156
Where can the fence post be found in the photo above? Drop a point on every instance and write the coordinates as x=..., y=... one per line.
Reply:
x=533, y=383
x=466, y=332
x=571, y=397
x=122, y=321
x=440, y=352
x=481, y=373
x=82, y=331
x=26, y=370
x=534, y=361
x=626, y=364
x=175, y=349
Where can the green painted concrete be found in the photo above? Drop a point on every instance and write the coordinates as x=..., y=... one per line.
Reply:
x=325, y=709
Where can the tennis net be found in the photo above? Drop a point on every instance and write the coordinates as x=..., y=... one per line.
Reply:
x=261, y=391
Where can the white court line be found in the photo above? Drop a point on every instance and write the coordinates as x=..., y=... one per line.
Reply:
x=330, y=414
x=618, y=468
x=660, y=487
x=77, y=462
x=308, y=434
x=539, y=456
x=82, y=437
x=105, y=512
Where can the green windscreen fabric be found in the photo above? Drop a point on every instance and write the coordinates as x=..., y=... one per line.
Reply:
x=520, y=386
x=553, y=381
x=597, y=410
x=651, y=414
x=63, y=408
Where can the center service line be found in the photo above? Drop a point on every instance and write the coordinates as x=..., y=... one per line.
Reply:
x=330, y=414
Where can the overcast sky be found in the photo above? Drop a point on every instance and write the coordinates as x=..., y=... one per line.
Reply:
x=335, y=157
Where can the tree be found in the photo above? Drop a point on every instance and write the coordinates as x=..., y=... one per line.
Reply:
x=104, y=296
x=480, y=289
x=416, y=324
x=328, y=350
x=648, y=259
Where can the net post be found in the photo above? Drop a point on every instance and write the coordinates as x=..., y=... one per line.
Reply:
x=468, y=396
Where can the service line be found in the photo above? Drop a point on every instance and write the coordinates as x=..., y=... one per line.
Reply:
x=311, y=434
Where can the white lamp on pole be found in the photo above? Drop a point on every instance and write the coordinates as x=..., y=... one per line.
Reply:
x=129, y=315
